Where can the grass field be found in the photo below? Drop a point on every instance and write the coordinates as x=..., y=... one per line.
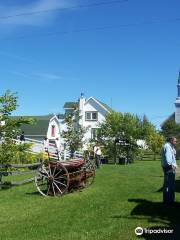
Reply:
x=121, y=198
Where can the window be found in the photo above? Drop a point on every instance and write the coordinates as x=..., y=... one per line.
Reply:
x=91, y=116
x=94, y=133
x=88, y=116
x=52, y=131
x=94, y=116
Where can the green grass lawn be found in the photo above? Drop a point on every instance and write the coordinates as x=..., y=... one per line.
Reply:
x=121, y=198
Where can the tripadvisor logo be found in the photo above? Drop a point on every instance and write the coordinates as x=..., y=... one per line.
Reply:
x=139, y=231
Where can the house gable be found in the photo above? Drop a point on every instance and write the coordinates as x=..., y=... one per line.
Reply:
x=93, y=104
x=53, y=128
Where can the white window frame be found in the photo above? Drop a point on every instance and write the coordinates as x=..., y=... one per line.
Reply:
x=91, y=116
x=94, y=133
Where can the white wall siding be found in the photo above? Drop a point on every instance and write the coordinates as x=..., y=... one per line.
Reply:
x=53, y=122
x=89, y=105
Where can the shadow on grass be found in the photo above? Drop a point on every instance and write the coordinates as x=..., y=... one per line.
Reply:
x=5, y=185
x=33, y=193
x=161, y=213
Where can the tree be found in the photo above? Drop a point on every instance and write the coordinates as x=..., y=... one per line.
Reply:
x=10, y=128
x=171, y=129
x=125, y=128
x=155, y=141
x=147, y=128
x=74, y=134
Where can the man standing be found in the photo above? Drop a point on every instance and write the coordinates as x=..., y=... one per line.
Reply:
x=169, y=166
x=22, y=138
x=97, y=153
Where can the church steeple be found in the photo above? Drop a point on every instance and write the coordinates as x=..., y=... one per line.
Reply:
x=177, y=102
x=178, y=86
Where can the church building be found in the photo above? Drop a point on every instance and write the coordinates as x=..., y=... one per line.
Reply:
x=175, y=115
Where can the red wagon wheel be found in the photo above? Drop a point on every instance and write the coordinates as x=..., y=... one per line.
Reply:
x=52, y=180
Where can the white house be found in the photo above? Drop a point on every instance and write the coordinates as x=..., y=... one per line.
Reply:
x=91, y=113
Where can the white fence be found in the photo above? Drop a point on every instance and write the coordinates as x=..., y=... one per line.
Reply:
x=37, y=147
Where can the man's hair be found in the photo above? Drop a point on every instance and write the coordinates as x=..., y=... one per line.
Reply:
x=169, y=139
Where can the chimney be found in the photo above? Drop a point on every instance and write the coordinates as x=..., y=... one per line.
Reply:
x=82, y=101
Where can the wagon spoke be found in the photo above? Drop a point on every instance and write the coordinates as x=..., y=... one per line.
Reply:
x=41, y=184
x=63, y=177
x=89, y=173
x=50, y=170
x=60, y=183
x=58, y=173
x=57, y=187
x=53, y=189
x=54, y=171
x=48, y=189
x=44, y=175
x=46, y=171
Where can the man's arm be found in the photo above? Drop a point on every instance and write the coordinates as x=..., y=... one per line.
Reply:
x=168, y=155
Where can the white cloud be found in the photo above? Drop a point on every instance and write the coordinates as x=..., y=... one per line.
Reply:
x=48, y=76
x=16, y=57
x=41, y=18
x=20, y=74
x=43, y=77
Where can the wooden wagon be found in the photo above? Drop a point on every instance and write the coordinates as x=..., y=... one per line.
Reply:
x=57, y=178
x=52, y=178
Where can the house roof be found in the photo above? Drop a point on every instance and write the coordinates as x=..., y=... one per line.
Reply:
x=60, y=116
x=70, y=105
x=39, y=128
x=104, y=105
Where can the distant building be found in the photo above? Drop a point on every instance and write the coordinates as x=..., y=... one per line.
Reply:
x=175, y=115
x=177, y=102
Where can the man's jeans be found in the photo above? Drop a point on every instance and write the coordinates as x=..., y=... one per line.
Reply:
x=169, y=186
x=98, y=160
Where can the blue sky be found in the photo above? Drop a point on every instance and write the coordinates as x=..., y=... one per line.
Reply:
x=124, y=53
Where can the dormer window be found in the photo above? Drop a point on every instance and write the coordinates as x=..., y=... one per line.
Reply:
x=91, y=116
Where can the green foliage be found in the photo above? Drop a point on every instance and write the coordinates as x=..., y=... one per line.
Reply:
x=9, y=129
x=74, y=134
x=123, y=127
x=171, y=129
x=13, y=153
x=147, y=128
x=155, y=142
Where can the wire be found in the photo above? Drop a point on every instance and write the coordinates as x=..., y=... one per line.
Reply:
x=64, y=8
